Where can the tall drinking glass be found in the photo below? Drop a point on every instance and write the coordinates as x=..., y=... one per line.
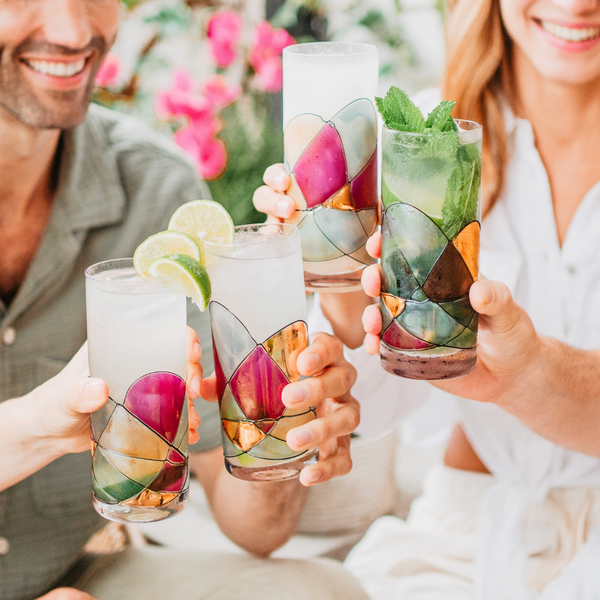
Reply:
x=430, y=251
x=137, y=344
x=330, y=143
x=258, y=320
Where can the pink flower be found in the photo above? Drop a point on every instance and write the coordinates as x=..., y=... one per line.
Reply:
x=209, y=152
x=182, y=101
x=219, y=93
x=109, y=71
x=265, y=56
x=224, y=30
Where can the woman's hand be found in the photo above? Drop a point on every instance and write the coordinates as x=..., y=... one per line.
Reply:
x=271, y=198
x=338, y=413
x=507, y=344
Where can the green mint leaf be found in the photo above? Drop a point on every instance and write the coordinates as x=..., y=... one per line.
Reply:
x=399, y=112
x=438, y=117
x=462, y=192
x=450, y=125
x=440, y=145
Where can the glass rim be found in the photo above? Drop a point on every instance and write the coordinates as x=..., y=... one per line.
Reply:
x=93, y=272
x=478, y=127
x=286, y=230
x=362, y=49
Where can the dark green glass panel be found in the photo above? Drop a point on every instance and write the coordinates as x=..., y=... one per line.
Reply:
x=473, y=325
x=467, y=339
x=427, y=321
x=113, y=482
x=419, y=295
x=418, y=237
x=460, y=309
x=449, y=278
x=396, y=275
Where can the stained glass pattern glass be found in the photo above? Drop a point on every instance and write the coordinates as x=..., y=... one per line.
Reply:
x=333, y=168
x=425, y=281
x=254, y=420
x=140, y=454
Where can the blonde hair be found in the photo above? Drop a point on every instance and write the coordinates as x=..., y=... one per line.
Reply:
x=478, y=77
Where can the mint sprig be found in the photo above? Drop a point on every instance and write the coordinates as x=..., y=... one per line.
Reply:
x=462, y=192
x=400, y=113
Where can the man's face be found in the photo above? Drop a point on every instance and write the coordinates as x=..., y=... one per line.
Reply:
x=50, y=52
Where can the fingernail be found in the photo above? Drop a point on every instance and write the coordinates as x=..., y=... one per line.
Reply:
x=198, y=350
x=311, y=361
x=486, y=292
x=195, y=385
x=313, y=476
x=297, y=394
x=283, y=208
x=303, y=437
x=93, y=390
x=278, y=179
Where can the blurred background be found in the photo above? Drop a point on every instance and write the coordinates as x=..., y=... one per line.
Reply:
x=207, y=73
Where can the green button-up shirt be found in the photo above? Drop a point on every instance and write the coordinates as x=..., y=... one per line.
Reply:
x=119, y=183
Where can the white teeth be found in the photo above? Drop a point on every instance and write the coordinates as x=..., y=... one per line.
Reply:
x=60, y=69
x=571, y=34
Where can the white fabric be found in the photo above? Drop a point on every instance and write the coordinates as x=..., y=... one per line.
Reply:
x=560, y=289
x=432, y=555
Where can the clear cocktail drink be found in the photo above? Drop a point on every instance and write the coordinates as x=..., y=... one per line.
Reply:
x=430, y=251
x=330, y=142
x=258, y=320
x=137, y=344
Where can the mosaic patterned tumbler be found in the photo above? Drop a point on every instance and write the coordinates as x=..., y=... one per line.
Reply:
x=430, y=251
x=330, y=143
x=137, y=344
x=258, y=320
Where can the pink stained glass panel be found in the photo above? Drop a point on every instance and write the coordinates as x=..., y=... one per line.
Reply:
x=364, y=186
x=321, y=170
x=157, y=400
x=397, y=337
x=257, y=386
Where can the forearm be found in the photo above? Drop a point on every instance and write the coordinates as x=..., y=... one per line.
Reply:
x=344, y=312
x=259, y=517
x=559, y=398
x=22, y=452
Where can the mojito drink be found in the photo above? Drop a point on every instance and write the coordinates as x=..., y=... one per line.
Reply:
x=430, y=250
x=258, y=320
x=137, y=344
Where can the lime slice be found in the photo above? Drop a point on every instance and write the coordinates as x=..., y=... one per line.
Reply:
x=203, y=219
x=162, y=244
x=186, y=272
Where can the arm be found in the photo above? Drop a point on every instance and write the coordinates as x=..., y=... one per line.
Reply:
x=53, y=419
x=343, y=311
x=260, y=517
x=550, y=386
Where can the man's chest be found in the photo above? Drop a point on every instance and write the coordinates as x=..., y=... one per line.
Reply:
x=21, y=237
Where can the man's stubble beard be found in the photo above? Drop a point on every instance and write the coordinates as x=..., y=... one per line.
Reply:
x=63, y=110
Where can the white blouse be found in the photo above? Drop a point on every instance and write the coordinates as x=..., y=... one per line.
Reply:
x=560, y=290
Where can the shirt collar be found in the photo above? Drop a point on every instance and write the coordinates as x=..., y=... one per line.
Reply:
x=90, y=192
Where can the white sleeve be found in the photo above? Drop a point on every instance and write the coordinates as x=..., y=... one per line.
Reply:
x=384, y=398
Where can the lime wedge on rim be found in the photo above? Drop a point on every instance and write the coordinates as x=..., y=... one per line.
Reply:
x=203, y=220
x=162, y=244
x=187, y=273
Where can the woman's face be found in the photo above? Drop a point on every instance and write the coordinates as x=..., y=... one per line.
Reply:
x=561, y=38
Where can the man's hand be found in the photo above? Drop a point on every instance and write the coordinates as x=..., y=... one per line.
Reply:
x=66, y=594
x=338, y=412
x=507, y=344
x=53, y=419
